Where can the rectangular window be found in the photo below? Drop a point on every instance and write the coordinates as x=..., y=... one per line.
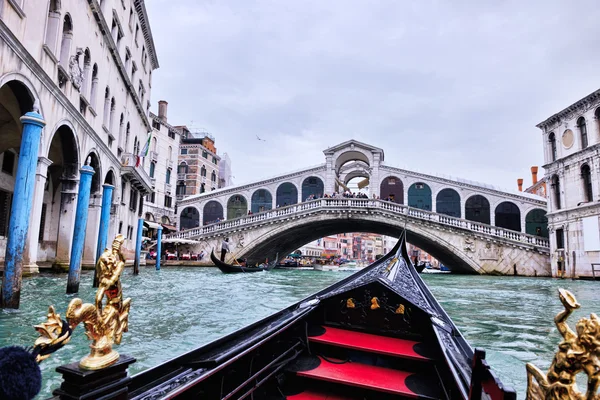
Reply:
x=205, y=154
x=172, y=134
x=560, y=239
x=168, y=201
x=132, y=200
x=156, y=125
x=168, y=179
x=183, y=151
x=8, y=163
x=214, y=160
x=42, y=224
x=5, y=204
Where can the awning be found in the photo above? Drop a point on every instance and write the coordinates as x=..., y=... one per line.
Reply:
x=169, y=227
x=151, y=225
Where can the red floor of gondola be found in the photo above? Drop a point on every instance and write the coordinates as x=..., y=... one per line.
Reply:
x=312, y=395
x=368, y=342
x=362, y=375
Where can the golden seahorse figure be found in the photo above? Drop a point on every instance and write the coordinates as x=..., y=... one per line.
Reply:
x=578, y=352
x=104, y=323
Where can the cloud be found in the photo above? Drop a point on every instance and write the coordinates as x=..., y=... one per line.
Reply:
x=443, y=87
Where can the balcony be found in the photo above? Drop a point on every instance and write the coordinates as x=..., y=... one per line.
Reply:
x=138, y=178
x=181, y=176
x=153, y=182
x=153, y=156
x=168, y=188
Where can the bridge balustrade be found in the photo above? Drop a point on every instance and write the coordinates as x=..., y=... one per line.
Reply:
x=349, y=203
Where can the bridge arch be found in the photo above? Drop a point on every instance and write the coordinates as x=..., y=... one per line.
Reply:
x=536, y=219
x=354, y=154
x=508, y=215
x=477, y=209
x=287, y=194
x=392, y=186
x=419, y=196
x=261, y=200
x=237, y=206
x=211, y=212
x=447, y=202
x=189, y=218
x=286, y=238
x=312, y=185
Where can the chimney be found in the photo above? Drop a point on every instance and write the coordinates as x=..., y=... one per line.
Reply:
x=520, y=183
x=162, y=110
x=534, y=171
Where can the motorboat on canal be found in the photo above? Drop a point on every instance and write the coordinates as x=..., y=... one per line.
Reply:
x=231, y=269
x=377, y=334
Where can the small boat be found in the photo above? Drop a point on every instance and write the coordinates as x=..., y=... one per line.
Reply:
x=231, y=269
x=376, y=334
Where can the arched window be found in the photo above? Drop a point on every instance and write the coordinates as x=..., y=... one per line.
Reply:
x=154, y=144
x=121, y=126
x=203, y=171
x=556, y=192
x=586, y=177
x=87, y=72
x=67, y=38
x=106, y=106
x=113, y=106
x=127, y=132
x=597, y=115
x=182, y=168
x=135, y=146
x=180, y=189
x=552, y=140
x=168, y=177
x=94, y=86
x=170, y=153
x=213, y=177
x=52, y=25
x=583, y=132
x=152, y=168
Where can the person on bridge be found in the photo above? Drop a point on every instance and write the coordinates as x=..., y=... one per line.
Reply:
x=224, y=248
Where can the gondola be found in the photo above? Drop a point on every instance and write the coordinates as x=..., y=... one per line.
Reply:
x=232, y=269
x=377, y=334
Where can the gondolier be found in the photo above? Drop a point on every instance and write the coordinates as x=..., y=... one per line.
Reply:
x=224, y=248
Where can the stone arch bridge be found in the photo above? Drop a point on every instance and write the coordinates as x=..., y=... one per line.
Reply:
x=466, y=246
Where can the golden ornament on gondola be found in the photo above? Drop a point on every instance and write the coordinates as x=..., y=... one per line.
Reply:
x=350, y=303
x=400, y=309
x=578, y=352
x=374, y=303
x=104, y=323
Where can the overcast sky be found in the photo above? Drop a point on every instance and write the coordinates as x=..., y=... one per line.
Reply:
x=451, y=87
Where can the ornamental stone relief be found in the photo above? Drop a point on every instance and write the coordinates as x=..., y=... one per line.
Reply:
x=75, y=71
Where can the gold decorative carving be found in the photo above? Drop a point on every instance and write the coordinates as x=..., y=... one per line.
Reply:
x=104, y=323
x=350, y=303
x=375, y=303
x=579, y=351
x=400, y=309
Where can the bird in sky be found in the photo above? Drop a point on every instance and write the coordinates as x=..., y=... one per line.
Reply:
x=260, y=139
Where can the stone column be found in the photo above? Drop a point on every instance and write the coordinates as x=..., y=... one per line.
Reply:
x=375, y=176
x=31, y=246
x=104, y=219
x=66, y=219
x=138, y=246
x=21, y=209
x=83, y=201
x=158, y=247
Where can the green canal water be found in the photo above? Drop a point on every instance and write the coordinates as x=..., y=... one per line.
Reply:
x=178, y=309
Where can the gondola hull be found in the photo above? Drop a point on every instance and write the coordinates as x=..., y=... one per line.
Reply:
x=233, y=269
x=376, y=334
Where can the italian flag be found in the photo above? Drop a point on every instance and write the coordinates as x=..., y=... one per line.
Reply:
x=143, y=151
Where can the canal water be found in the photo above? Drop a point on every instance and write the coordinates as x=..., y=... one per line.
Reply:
x=177, y=309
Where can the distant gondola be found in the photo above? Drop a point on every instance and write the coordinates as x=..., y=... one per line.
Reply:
x=377, y=334
x=232, y=269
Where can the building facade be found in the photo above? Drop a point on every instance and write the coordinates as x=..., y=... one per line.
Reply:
x=86, y=66
x=197, y=172
x=160, y=164
x=571, y=140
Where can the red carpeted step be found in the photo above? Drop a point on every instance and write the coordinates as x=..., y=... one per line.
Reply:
x=374, y=378
x=314, y=395
x=371, y=343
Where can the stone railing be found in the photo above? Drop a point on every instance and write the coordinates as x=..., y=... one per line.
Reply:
x=357, y=204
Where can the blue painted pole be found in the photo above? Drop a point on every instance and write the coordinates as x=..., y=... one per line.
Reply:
x=158, y=248
x=138, y=247
x=21, y=209
x=81, y=215
x=104, y=223
x=104, y=219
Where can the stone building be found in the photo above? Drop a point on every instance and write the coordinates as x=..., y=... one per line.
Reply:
x=197, y=171
x=159, y=207
x=571, y=140
x=86, y=66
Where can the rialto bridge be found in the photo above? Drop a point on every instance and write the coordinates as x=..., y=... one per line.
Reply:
x=469, y=226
